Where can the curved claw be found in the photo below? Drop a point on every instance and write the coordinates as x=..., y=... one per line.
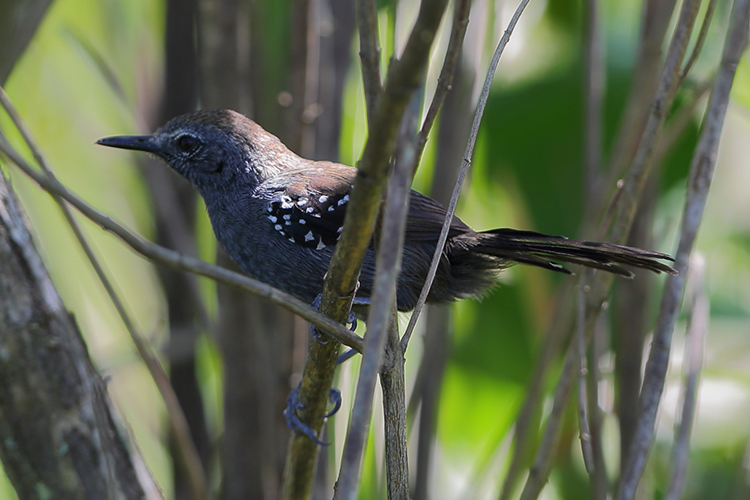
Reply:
x=334, y=396
x=297, y=425
x=316, y=334
x=294, y=422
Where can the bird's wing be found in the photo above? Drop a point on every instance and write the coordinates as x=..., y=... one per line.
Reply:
x=426, y=218
x=308, y=205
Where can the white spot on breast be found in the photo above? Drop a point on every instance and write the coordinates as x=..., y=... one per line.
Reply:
x=343, y=200
x=331, y=208
x=309, y=210
x=277, y=227
x=287, y=216
x=272, y=218
x=341, y=228
x=309, y=236
x=320, y=246
x=323, y=199
x=302, y=201
x=302, y=221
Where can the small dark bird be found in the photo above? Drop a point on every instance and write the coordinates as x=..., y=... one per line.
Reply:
x=279, y=217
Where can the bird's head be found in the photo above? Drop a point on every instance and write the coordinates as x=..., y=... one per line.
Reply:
x=213, y=149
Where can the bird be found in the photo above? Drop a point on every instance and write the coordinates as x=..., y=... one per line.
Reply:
x=279, y=217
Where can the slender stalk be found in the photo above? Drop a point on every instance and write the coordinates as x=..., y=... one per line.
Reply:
x=694, y=345
x=369, y=53
x=394, y=410
x=707, y=18
x=701, y=173
x=527, y=419
x=464, y=169
x=188, y=454
x=583, y=411
x=668, y=85
x=340, y=285
x=381, y=323
x=593, y=96
x=447, y=72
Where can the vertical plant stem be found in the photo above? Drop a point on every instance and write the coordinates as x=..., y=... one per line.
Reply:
x=394, y=409
x=369, y=53
x=583, y=411
x=694, y=345
x=381, y=324
x=595, y=75
x=701, y=173
x=188, y=454
x=464, y=168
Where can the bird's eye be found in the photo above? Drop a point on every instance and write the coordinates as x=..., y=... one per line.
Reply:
x=188, y=143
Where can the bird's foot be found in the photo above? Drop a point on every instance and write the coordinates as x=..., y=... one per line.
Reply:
x=316, y=334
x=297, y=425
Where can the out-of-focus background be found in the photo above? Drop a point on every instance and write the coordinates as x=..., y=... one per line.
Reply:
x=106, y=67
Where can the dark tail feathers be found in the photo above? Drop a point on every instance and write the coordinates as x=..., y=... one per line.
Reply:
x=541, y=250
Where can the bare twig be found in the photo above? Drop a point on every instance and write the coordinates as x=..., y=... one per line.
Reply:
x=340, y=285
x=583, y=413
x=701, y=173
x=700, y=40
x=381, y=321
x=540, y=470
x=524, y=433
x=668, y=85
x=694, y=344
x=462, y=173
x=187, y=451
x=369, y=53
x=394, y=412
x=182, y=262
x=593, y=97
x=445, y=80
x=655, y=19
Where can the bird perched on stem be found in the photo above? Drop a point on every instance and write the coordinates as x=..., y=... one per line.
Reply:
x=279, y=217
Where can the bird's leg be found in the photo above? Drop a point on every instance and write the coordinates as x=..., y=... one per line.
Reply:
x=316, y=334
x=297, y=425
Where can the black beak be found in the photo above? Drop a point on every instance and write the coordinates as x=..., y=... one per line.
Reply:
x=136, y=142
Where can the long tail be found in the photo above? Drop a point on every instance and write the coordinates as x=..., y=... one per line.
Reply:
x=542, y=250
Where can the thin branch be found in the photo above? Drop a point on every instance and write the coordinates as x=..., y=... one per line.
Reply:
x=655, y=19
x=593, y=97
x=175, y=260
x=524, y=433
x=445, y=80
x=668, y=85
x=340, y=285
x=701, y=173
x=394, y=412
x=583, y=411
x=462, y=173
x=380, y=319
x=382, y=325
x=188, y=453
x=708, y=16
x=540, y=470
x=369, y=53
x=694, y=345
